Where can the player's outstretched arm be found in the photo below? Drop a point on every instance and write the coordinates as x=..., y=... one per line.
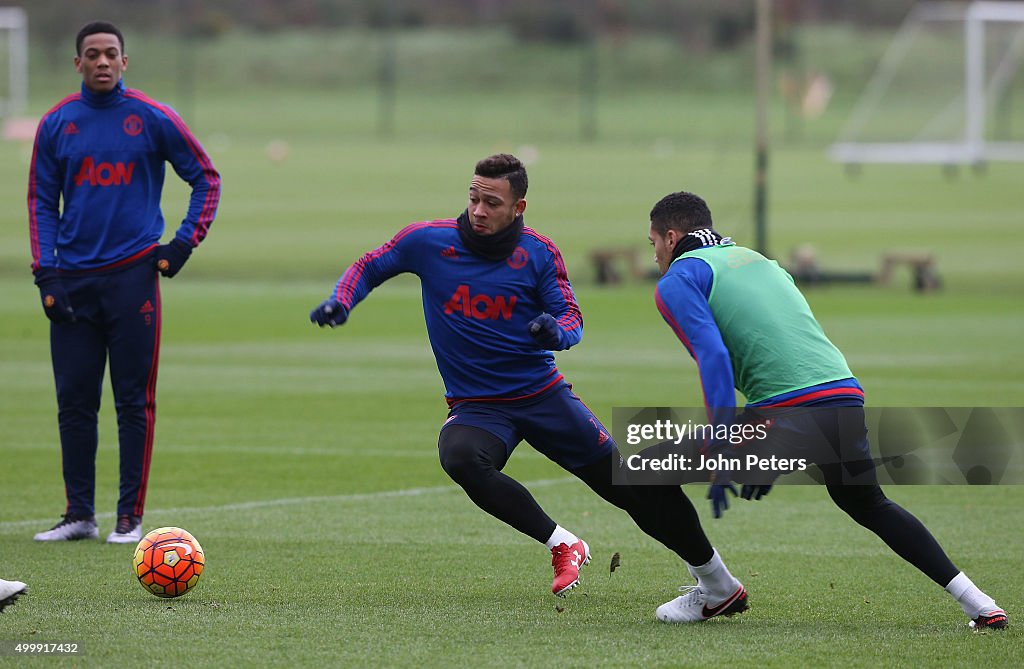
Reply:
x=399, y=255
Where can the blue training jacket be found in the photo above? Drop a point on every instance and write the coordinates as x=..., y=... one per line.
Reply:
x=104, y=155
x=477, y=311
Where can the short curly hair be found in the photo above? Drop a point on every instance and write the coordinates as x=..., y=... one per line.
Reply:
x=680, y=211
x=508, y=167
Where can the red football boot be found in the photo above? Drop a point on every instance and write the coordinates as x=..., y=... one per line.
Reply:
x=567, y=561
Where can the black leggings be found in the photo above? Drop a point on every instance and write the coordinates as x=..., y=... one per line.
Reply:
x=473, y=458
x=845, y=431
x=898, y=528
x=661, y=511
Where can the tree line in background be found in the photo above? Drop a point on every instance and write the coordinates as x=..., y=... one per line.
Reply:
x=702, y=24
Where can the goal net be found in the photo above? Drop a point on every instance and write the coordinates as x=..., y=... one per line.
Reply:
x=948, y=90
x=13, y=61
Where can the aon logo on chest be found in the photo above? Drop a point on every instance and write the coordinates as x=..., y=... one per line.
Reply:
x=480, y=307
x=104, y=174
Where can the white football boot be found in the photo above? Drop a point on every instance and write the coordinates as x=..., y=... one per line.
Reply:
x=127, y=531
x=692, y=607
x=10, y=591
x=71, y=528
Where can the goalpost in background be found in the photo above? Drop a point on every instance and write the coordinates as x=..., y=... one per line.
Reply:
x=944, y=90
x=14, y=59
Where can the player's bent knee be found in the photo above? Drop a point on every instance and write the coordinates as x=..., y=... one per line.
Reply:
x=857, y=500
x=468, y=453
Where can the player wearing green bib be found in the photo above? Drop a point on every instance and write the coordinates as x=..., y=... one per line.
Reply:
x=749, y=328
x=775, y=345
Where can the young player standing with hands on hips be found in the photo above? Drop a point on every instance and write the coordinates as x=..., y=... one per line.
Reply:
x=102, y=151
x=750, y=329
x=497, y=302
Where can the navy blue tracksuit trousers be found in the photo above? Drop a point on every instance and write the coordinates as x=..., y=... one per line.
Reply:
x=117, y=316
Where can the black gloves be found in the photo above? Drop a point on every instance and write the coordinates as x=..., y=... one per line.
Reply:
x=330, y=312
x=754, y=492
x=547, y=333
x=55, y=301
x=719, y=500
x=171, y=257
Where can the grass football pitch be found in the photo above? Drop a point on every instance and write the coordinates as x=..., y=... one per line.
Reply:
x=305, y=460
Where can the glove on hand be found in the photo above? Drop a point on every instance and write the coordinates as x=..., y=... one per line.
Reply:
x=546, y=332
x=56, y=305
x=755, y=492
x=719, y=498
x=329, y=312
x=171, y=257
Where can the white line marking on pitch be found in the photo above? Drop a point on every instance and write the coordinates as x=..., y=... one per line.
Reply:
x=292, y=501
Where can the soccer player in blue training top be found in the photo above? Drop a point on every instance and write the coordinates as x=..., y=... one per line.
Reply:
x=497, y=302
x=748, y=327
x=10, y=591
x=102, y=151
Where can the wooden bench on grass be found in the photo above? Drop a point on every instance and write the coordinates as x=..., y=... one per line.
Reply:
x=921, y=264
x=610, y=264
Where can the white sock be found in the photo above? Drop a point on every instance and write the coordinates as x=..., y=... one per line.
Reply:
x=561, y=536
x=973, y=601
x=715, y=578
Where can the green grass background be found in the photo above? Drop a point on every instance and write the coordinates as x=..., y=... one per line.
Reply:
x=305, y=460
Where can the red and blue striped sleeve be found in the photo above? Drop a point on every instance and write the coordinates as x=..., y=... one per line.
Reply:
x=191, y=163
x=682, y=298
x=557, y=296
x=379, y=265
x=44, y=189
